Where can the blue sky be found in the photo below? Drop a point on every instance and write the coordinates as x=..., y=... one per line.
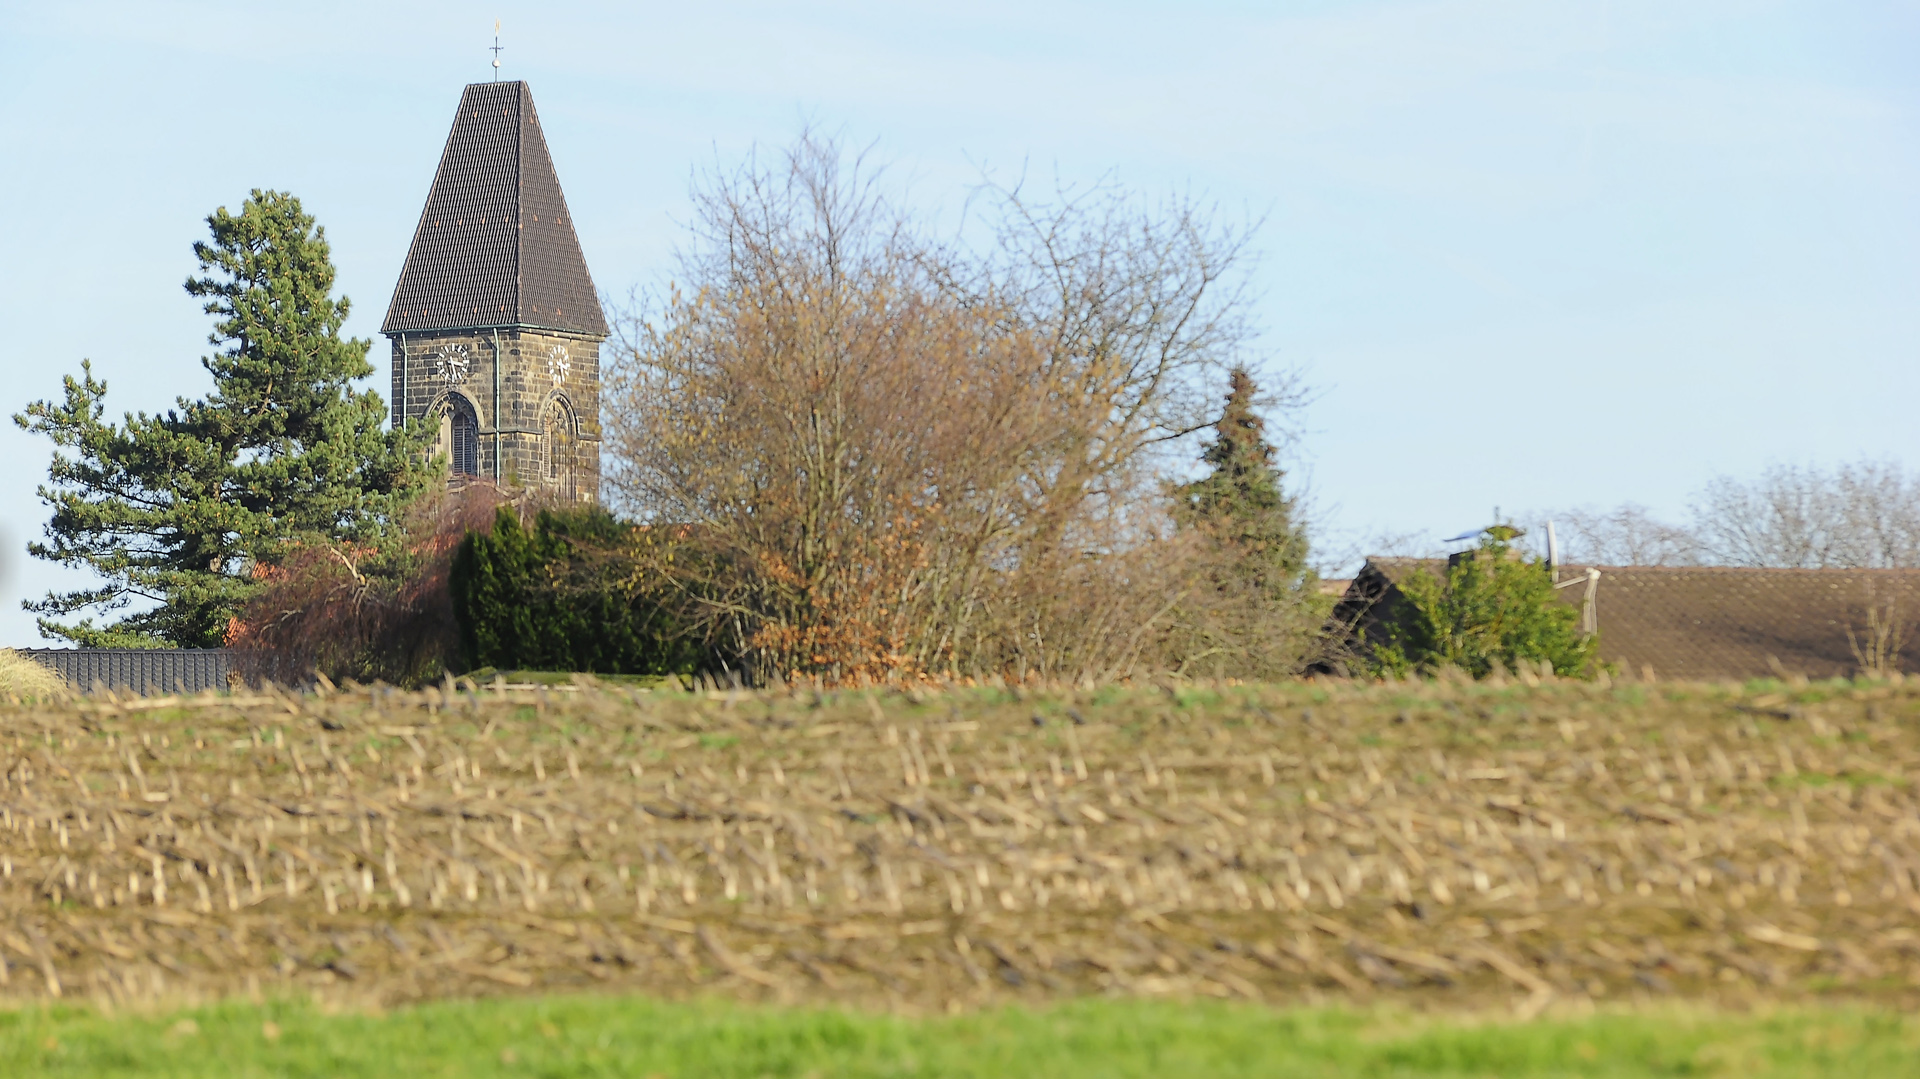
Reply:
x=1530, y=253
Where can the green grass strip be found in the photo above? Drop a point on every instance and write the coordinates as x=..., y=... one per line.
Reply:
x=629, y=1036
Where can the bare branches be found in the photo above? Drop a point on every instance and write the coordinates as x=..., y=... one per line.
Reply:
x=361, y=613
x=892, y=457
x=1138, y=308
x=1626, y=536
x=1878, y=648
x=1864, y=515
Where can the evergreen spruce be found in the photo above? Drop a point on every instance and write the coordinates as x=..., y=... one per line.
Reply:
x=1241, y=502
x=181, y=509
x=1255, y=612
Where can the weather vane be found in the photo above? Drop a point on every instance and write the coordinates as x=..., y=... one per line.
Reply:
x=496, y=50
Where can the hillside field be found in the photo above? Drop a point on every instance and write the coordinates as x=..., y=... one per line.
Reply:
x=1512, y=849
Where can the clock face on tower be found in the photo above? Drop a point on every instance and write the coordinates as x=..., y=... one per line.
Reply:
x=452, y=364
x=559, y=364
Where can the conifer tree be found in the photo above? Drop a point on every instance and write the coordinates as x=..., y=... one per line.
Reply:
x=1240, y=500
x=1254, y=611
x=552, y=598
x=180, y=509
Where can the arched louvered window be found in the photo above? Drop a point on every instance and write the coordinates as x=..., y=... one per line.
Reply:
x=556, y=439
x=460, y=437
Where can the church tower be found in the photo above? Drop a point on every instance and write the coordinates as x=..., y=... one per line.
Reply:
x=495, y=324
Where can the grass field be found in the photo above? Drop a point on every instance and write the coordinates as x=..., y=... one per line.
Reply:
x=598, y=1036
x=932, y=860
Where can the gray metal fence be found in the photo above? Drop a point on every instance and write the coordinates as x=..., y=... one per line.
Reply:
x=142, y=670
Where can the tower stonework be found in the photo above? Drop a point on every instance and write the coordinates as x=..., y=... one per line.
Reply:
x=496, y=326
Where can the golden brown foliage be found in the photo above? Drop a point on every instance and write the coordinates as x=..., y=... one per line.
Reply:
x=1446, y=844
x=899, y=460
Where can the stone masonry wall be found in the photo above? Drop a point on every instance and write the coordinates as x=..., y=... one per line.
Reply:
x=543, y=377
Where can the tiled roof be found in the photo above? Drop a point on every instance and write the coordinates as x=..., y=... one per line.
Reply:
x=495, y=245
x=1715, y=622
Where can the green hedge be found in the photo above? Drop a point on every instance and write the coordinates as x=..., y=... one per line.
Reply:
x=561, y=598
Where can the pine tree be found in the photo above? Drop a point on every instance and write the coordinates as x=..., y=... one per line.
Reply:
x=181, y=508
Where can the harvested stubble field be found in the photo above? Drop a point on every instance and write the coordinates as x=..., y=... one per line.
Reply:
x=1452, y=845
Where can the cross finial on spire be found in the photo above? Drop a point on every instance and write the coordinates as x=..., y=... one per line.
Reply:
x=496, y=50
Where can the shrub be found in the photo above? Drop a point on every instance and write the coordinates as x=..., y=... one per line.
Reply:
x=563, y=597
x=1493, y=608
x=367, y=614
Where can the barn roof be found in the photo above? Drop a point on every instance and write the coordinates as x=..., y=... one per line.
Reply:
x=1715, y=622
x=495, y=246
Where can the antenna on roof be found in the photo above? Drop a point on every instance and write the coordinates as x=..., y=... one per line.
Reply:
x=496, y=50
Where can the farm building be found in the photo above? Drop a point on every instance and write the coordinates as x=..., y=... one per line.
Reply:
x=1701, y=622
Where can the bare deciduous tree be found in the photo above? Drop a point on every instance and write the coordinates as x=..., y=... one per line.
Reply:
x=1865, y=515
x=1626, y=536
x=885, y=456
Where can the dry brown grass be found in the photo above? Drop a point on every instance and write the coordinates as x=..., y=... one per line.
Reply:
x=1453, y=845
x=22, y=678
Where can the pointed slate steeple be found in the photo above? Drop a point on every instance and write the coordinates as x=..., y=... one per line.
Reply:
x=495, y=246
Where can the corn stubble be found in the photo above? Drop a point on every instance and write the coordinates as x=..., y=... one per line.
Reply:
x=1456, y=845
